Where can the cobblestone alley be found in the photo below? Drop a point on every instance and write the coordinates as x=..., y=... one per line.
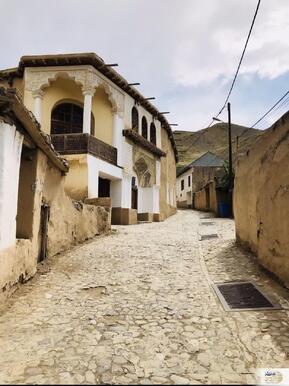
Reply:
x=137, y=307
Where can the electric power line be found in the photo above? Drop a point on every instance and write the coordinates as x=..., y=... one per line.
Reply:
x=240, y=61
x=263, y=116
x=275, y=114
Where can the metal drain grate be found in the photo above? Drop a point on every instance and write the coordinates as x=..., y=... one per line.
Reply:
x=242, y=296
x=208, y=237
x=207, y=223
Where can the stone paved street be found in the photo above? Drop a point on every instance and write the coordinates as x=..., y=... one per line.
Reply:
x=137, y=307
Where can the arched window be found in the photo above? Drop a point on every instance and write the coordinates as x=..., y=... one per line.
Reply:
x=67, y=118
x=153, y=136
x=134, y=119
x=144, y=128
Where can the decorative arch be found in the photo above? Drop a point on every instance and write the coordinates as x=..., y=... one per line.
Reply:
x=144, y=127
x=67, y=118
x=144, y=169
x=153, y=134
x=38, y=80
x=134, y=119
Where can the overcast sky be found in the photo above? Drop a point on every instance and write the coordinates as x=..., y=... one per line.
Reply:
x=184, y=52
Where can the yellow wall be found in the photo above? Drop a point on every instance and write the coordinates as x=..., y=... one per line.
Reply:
x=102, y=111
x=201, y=199
x=63, y=89
x=261, y=196
x=168, y=175
x=76, y=181
x=59, y=90
x=68, y=225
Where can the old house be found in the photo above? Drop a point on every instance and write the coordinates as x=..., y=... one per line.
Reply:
x=37, y=218
x=195, y=176
x=117, y=143
x=261, y=196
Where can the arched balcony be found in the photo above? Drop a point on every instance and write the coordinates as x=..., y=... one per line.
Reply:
x=66, y=113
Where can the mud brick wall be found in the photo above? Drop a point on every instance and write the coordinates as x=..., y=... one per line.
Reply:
x=261, y=199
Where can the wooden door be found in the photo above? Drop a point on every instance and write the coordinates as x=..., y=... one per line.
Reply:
x=208, y=198
x=44, y=218
x=134, y=197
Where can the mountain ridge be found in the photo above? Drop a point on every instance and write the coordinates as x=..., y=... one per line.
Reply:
x=192, y=144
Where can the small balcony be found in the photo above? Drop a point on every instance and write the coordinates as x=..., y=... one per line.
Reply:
x=84, y=143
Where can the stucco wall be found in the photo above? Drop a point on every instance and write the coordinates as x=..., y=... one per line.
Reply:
x=10, y=153
x=200, y=201
x=168, y=178
x=200, y=176
x=182, y=194
x=129, y=104
x=76, y=181
x=69, y=224
x=261, y=197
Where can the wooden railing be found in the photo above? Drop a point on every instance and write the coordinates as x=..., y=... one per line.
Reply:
x=84, y=143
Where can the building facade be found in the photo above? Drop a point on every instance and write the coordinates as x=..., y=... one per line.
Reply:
x=117, y=143
x=37, y=218
x=195, y=176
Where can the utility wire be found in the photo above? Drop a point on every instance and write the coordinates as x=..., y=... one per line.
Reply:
x=284, y=105
x=241, y=59
x=263, y=116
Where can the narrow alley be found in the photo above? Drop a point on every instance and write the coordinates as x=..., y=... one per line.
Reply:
x=137, y=307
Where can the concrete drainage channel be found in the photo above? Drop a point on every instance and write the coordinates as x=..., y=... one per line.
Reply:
x=238, y=295
x=244, y=296
x=207, y=223
x=209, y=236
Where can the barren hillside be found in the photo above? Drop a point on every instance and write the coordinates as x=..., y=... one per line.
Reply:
x=192, y=145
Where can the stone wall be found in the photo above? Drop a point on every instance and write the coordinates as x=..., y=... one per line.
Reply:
x=261, y=197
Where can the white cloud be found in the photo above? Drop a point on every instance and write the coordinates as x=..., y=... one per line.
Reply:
x=216, y=48
x=183, y=52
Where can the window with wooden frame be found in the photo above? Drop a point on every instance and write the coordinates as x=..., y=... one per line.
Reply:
x=134, y=119
x=153, y=134
x=67, y=118
x=144, y=128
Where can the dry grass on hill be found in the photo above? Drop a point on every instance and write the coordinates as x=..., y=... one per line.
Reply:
x=192, y=145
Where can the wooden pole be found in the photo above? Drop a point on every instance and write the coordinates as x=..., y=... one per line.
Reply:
x=230, y=160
